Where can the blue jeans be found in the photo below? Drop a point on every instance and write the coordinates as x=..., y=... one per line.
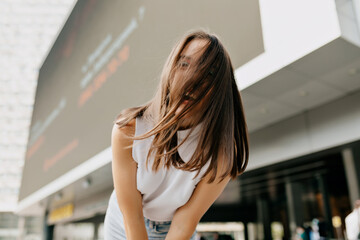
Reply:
x=158, y=230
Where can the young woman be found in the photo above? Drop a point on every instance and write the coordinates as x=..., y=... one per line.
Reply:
x=174, y=156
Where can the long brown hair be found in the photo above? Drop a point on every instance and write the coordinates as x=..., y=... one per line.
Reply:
x=223, y=133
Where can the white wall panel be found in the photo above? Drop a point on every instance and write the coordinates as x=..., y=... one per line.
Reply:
x=279, y=142
x=335, y=123
x=328, y=126
x=291, y=30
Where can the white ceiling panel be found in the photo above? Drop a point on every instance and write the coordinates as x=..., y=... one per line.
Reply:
x=269, y=112
x=277, y=83
x=310, y=95
x=346, y=78
x=250, y=100
x=320, y=77
x=333, y=55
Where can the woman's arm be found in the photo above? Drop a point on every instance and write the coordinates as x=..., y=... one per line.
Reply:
x=124, y=175
x=188, y=216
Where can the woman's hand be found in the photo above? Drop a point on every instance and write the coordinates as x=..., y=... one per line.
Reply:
x=124, y=170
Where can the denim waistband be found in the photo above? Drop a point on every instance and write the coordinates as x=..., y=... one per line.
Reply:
x=158, y=230
x=155, y=224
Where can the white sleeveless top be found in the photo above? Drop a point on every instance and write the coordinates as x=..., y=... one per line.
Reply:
x=167, y=189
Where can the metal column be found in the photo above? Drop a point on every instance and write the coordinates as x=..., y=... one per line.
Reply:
x=327, y=209
x=264, y=218
x=48, y=229
x=351, y=177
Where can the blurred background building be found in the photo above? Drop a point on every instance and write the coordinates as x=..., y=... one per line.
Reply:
x=69, y=67
x=28, y=28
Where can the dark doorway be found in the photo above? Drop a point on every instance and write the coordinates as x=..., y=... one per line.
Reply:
x=274, y=200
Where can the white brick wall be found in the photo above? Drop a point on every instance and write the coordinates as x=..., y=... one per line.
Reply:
x=27, y=31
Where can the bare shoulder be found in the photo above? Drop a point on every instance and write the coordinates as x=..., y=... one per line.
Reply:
x=128, y=130
x=121, y=136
